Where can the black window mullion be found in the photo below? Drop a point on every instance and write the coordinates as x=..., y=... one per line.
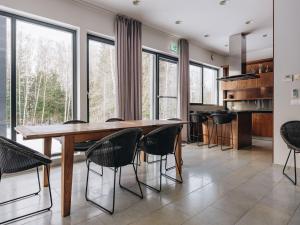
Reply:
x=13, y=111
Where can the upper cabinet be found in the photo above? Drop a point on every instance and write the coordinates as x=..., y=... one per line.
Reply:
x=263, y=68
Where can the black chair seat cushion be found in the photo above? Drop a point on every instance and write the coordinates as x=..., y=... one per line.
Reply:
x=15, y=157
x=83, y=146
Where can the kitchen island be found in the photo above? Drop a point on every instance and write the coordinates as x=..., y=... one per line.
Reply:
x=241, y=131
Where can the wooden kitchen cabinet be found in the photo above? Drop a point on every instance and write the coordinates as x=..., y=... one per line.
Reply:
x=262, y=124
x=265, y=80
x=245, y=84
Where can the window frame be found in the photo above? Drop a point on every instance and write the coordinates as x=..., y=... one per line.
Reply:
x=14, y=18
x=101, y=40
x=202, y=66
x=158, y=57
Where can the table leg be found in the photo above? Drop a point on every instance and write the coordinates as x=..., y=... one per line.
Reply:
x=66, y=174
x=179, y=155
x=47, y=152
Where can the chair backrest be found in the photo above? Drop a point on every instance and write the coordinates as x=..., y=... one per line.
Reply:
x=15, y=157
x=117, y=149
x=114, y=120
x=198, y=117
x=290, y=133
x=74, y=122
x=222, y=118
x=161, y=141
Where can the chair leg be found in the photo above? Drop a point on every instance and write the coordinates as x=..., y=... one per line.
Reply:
x=30, y=195
x=25, y=196
x=94, y=203
x=295, y=168
x=172, y=178
x=160, y=175
x=137, y=179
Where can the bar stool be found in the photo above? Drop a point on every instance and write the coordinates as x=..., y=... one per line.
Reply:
x=196, y=119
x=220, y=119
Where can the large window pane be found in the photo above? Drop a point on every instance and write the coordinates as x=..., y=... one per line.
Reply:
x=195, y=84
x=102, y=81
x=5, y=74
x=168, y=79
x=168, y=108
x=168, y=89
x=210, y=86
x=148, y=73
x=44, y=77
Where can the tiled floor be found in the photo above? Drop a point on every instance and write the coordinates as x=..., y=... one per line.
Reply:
x=230, y=187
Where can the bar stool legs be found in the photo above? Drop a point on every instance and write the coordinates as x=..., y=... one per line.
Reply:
x=215, y=130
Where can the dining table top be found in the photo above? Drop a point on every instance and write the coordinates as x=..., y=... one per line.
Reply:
x=58, y=130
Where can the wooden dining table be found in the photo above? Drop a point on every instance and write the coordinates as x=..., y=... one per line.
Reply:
x=75, y=133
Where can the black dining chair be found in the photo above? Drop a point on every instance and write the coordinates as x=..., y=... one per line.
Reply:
x=115, y=151
x=161, y=142
x=15, y=158
x=221, y=119
x=114, y=120
x=290, y=133
x=173, y=167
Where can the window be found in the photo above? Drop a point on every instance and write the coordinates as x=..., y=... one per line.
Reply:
x=210, y=86
x=148, y=77
x=39, y=61
x=204, y=87
x=102, y=82
x=195, y=84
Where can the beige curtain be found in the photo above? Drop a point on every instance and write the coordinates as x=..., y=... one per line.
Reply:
x=184, y=94
x=129, y=67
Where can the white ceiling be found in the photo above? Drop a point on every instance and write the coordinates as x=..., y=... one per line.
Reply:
x=200, y=17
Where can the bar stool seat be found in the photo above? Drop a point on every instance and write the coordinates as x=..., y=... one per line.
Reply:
x=221, y=119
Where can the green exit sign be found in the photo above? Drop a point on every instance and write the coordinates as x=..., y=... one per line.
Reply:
x=174, y=47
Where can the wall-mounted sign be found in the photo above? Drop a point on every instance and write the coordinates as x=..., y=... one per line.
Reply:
x=288, y=78
x=174, y=47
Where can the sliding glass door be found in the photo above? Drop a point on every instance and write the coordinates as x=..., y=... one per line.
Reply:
x=38, y=63
x=102, y=84
x=167, y=99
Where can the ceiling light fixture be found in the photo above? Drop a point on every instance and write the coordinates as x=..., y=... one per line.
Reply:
x=178, y=22
x=249, y=22
x=206, y=35
x=223, y=2
x=136, y=2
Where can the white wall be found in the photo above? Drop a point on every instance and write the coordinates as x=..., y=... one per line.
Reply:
x=286, y=61
x=85, y=18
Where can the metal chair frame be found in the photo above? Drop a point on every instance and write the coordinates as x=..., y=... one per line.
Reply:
x=28, y=196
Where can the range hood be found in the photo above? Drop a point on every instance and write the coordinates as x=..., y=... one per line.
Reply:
x=237, y=59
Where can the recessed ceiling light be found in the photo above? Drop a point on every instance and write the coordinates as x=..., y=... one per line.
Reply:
x=249, y=22
x=136, y=2
x=265, y=35
x=178, y=22
x=223, y=2
x=206, y=35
